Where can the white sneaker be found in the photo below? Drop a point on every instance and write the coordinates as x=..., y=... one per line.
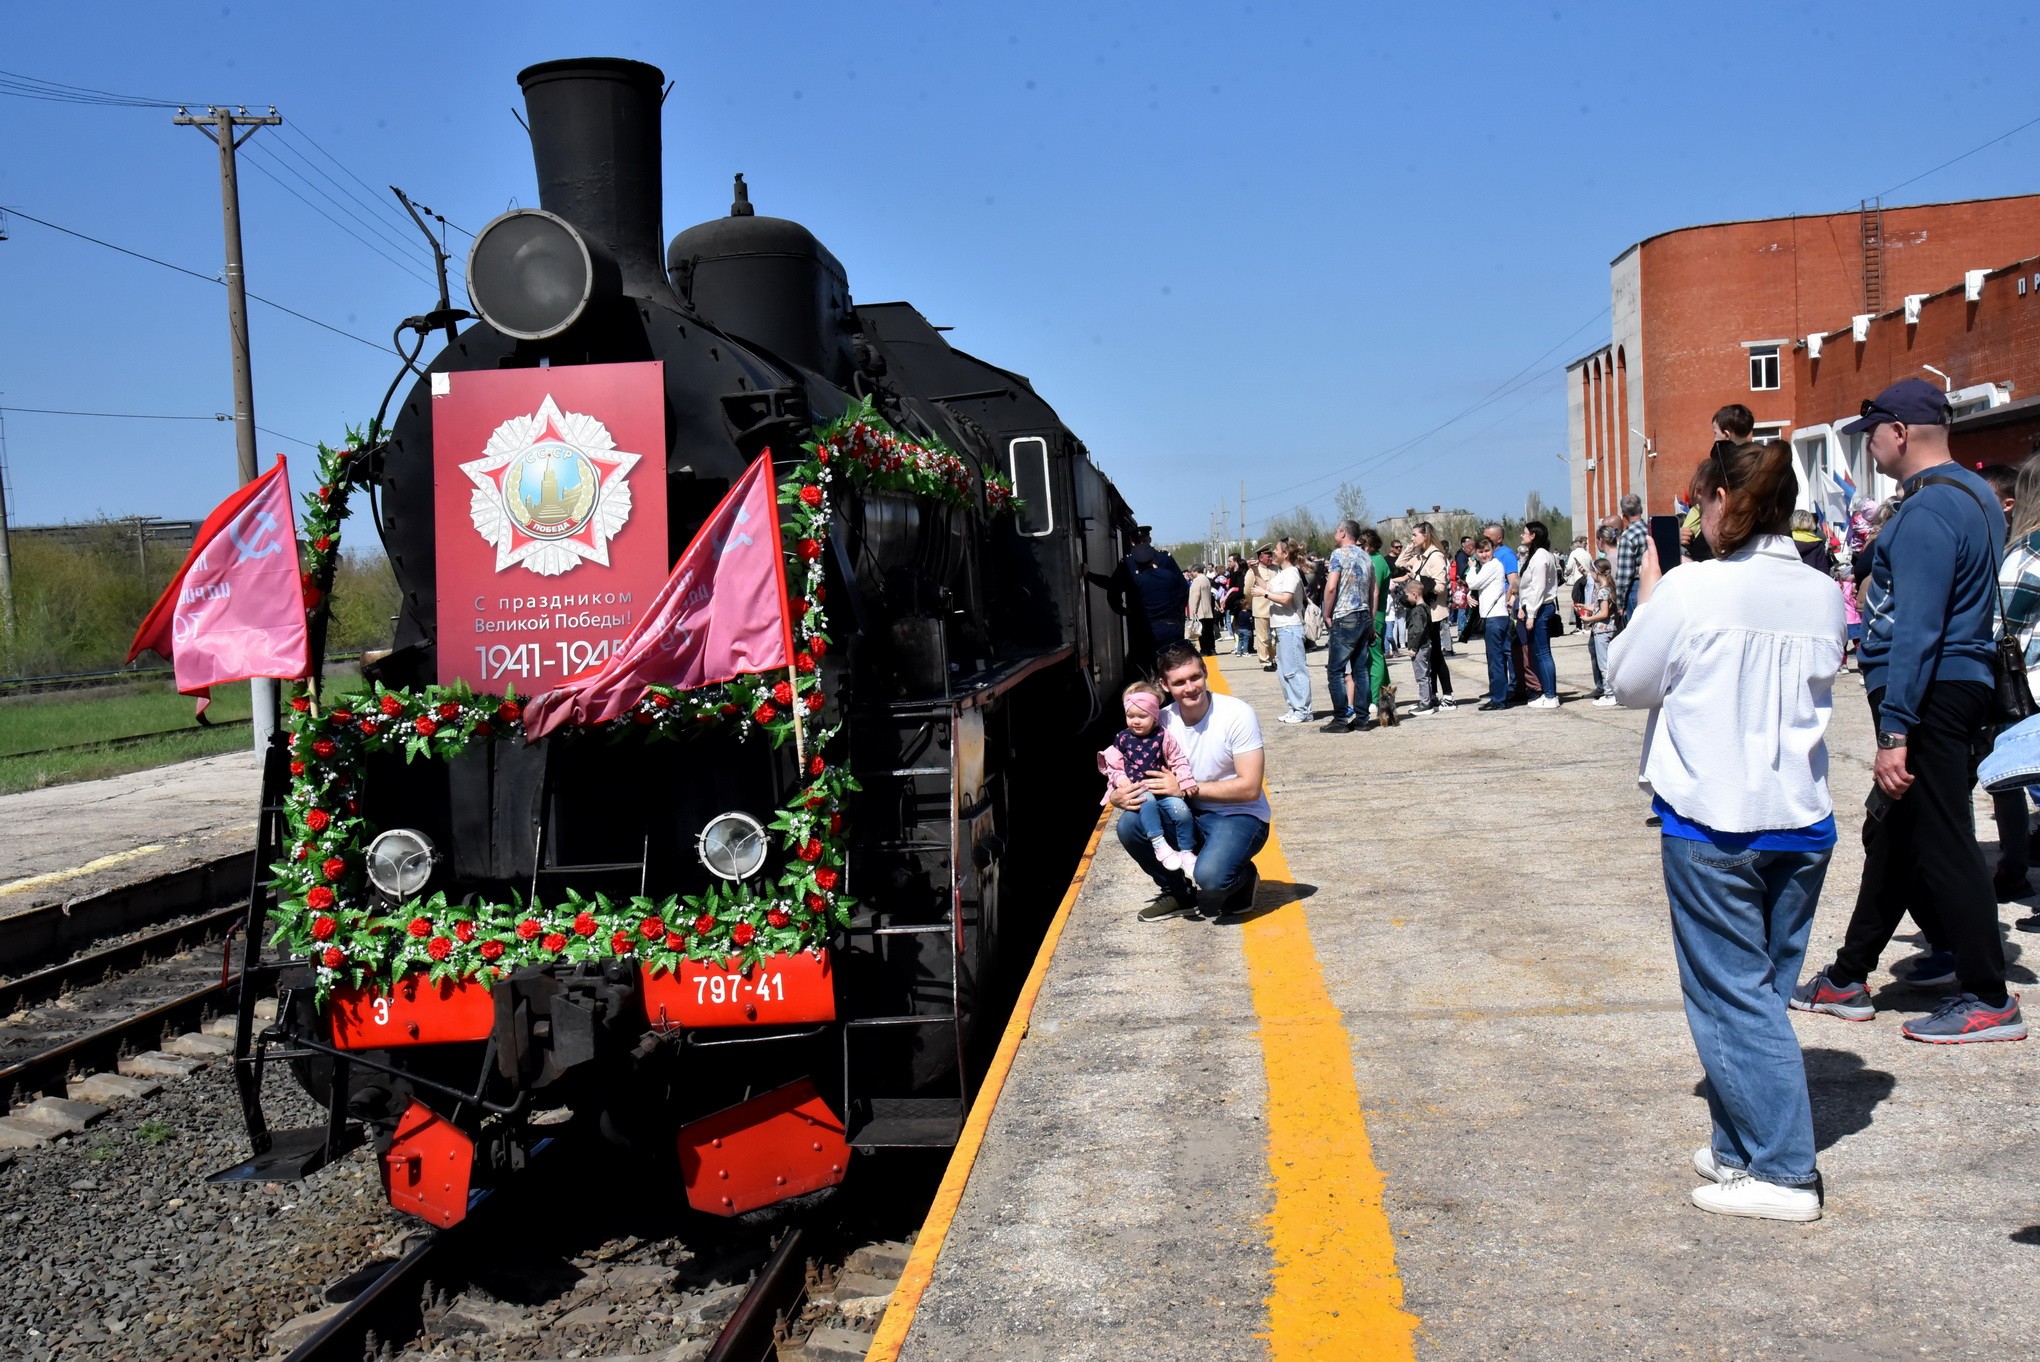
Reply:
x=1447, y=702
x=1740, y=1194
x=1705, y=1165
x=1607, y=702
x=1544, y=702
x=1292, y=719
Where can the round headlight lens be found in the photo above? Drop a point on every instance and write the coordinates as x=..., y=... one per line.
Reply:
x=732, y=845
x=400, y=862
x=530, y=274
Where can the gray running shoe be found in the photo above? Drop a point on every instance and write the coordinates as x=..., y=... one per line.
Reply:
x=1926, y=971
x=1850, y=1002
x=1966, y=1017
x=1164, y=907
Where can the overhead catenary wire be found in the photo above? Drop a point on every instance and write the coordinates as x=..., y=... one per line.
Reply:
x=153, y=416
x=383, y=229
x=197, y=274
x=258, y=163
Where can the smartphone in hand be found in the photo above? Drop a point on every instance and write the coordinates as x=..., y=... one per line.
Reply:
x=1664, y=533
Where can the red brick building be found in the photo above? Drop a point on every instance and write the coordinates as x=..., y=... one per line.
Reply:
x=1705, y=316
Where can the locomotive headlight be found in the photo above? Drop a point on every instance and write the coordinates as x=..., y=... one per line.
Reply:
x=531, y=274
x=400, y=862
x=732, y=845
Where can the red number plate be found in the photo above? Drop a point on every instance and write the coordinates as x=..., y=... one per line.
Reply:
x=416, y=1012
x=778, y=990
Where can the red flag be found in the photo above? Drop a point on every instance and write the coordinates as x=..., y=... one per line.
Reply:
x=236, y=608
x=722, y=613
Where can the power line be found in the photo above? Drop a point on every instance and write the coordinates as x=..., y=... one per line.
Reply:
x=257, y=162
x=387, y=226
x=35, y=87
x=1963, y=157
x=155, y=416
x=208, y=278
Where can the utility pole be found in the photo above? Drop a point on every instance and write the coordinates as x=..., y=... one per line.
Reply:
x=1243, y=517
x=6, y=553
x=222, y=126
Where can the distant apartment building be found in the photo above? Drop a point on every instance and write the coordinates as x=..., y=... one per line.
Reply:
x=1798, y=319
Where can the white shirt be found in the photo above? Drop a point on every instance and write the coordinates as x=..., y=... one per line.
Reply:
x=1536, y=583
x=1579, y=563
x=1280, y=615
x=1228, y=728
x=1490, y=582
x=1736, y=658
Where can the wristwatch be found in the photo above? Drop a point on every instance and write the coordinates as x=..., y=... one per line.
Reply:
x=1890, y=740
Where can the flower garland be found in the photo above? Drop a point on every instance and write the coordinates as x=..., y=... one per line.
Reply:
x=326, y=910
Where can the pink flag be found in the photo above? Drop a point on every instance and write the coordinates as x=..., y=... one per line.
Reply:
x=722, y=613
x=236, y=609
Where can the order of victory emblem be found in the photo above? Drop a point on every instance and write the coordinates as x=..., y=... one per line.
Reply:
x=551, y=489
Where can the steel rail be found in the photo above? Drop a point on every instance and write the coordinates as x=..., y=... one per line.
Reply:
x=128, y=955
x=127, y=739
x=43, y=936
x=753, y=1332
x=47, y=1072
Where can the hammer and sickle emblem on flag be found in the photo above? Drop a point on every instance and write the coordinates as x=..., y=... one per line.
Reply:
x=263, y=546
x=733, y=538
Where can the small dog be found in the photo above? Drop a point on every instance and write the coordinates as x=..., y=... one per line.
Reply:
x=1385, y=716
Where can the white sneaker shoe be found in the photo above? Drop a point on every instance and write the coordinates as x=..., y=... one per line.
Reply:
x=1292, y=719
x=1447, y=702
x=1740, y=1194
x=1705, y=1165
x=1544, y=702
x=1607, y=702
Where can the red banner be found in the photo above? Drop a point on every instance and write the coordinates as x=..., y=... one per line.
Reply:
x=550, y=506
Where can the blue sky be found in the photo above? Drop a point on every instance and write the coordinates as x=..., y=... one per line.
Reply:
x=1271, y=242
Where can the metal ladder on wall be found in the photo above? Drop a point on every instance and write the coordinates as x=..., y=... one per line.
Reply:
x=916, y=1122
x=1870, y=214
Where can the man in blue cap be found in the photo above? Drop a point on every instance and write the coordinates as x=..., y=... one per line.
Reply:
x=1930, y=608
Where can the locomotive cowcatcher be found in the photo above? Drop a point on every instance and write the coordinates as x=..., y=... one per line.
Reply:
x=740, y=929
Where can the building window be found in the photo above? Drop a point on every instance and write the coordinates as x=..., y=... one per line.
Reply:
x=1769, y=433
x=1763, y=368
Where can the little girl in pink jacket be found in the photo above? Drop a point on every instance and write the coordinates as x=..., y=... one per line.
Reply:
x=1144, y=747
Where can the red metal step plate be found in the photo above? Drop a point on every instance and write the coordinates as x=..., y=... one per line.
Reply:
x=772, y=1147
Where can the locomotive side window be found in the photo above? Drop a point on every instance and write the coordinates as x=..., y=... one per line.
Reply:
x=1027, y=459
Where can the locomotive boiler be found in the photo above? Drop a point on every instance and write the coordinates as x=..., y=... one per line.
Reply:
x=740, y=929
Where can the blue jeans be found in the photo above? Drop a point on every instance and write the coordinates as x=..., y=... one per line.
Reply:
x=1293, y=669
x=1538, y=641
x=1739, y=926
x=1499, y=632
x=1167, y=817
x=1348, y=651
x=1243, y=636
x=1226, y=842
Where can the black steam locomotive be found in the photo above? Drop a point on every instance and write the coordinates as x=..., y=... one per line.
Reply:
x=763, y=945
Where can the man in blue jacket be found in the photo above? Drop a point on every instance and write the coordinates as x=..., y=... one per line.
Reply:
x=1930, y=608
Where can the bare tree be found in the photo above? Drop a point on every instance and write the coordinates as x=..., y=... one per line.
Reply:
x=1352, y=503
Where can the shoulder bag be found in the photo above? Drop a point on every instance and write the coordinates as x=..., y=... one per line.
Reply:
x=2012, y=698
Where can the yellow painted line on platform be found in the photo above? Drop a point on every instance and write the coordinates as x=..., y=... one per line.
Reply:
x=914, y=1278
x=89, y=868
x=1335, y=1293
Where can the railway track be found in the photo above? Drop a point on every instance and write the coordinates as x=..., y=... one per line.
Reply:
x=127, y=739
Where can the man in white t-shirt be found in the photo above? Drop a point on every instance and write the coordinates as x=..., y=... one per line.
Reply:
x=1221, y=737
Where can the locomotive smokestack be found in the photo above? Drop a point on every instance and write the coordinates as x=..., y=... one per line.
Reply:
x=595, y=139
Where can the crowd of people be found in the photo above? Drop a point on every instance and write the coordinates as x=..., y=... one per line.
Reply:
x=1742, y=630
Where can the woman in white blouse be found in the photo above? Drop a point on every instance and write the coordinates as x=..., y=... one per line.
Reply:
x=1736, y=660
x=1536, y=603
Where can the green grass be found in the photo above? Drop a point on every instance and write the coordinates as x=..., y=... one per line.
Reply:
x=153, y=1132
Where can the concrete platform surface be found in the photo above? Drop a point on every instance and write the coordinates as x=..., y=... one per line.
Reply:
x=1488, y=914
x=66, y=841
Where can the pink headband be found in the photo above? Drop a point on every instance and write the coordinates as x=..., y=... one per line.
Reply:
x=1141, y=699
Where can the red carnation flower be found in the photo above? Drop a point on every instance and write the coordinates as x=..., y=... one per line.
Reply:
x=585, y=924
x=354, y=806
x=743, y=933
x=554, y=942
x=334, y=868
x=449, y=710
x=811, y=495
x=313, y=597
x=814, y=701
x=821, y=594
x=703, y=925
x=323, y=748
x=297, y=768
x=811, y=850
x=730, y=709
x=826, y=877
x=815, y=801
x=420, y=926
x=816, y=765
x=304, y=851
x=704, y=717
x=439, y=948
x=835, y=822
x=317, y=819
x=805, y=662
x=509, y=711
x=484, y=729
x=764, y=714
x=334, y=957
x=621, y=943
x=818, y=645
x=325, y=493
x=426, y=726
x=300, y=703
x=528, y=929
x=370, y=727
x=319, y=896
x=662, y=701
x=341, y=715
x=809, y=549
x=801, y=607
x=823, y=455
x=492, y=949
x=392, y=706
x=464, y=930
x=675, y=941
x=643, y=718
x=777, y=918
x=783, y=692
x=652, y=928
x=816, y=903
x=323, y=928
